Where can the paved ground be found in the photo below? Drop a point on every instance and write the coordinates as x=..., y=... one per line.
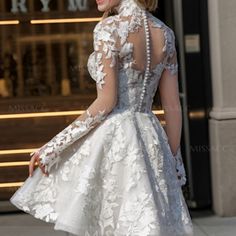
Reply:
x=21, y=224
x=207, y=224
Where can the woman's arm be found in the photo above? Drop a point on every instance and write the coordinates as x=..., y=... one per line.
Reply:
x=106, y=55
x=169, y=93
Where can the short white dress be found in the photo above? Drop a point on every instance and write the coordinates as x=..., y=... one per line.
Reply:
x=112, y=172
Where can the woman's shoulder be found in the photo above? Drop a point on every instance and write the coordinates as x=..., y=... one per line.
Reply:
x=106, y=31
x=168, y=31
x=156, y=22
x=108, y=23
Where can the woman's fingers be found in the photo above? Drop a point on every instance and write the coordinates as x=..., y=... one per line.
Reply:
x=31, y=165
x=41, y=166
x=35, y=159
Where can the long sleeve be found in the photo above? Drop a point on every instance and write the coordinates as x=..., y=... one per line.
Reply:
x=106, y=83
x=171, y=105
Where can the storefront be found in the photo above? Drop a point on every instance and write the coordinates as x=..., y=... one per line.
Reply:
x=41, y=55
x=45, y=85
x=44, y=81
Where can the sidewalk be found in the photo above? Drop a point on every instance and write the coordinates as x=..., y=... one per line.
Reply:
x=207, y=224
x=21, y=224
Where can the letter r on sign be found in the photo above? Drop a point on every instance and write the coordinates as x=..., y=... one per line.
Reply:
x=18, y=5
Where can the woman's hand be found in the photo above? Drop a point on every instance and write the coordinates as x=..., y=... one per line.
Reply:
x=35, y=159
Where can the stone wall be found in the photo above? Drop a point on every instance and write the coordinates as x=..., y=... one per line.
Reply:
x=222, y=122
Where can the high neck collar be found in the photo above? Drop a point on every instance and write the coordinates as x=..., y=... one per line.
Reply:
x=126, y=7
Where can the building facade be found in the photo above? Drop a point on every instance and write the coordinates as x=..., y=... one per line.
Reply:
x=44, y=81
x=222, y=122
x=44, y=85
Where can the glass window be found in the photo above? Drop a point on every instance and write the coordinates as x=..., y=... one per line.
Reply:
x=43, y=58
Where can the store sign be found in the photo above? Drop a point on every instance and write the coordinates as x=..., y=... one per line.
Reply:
x=73, y=5
x=192, y=43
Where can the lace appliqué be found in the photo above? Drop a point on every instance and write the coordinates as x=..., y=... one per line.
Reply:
x=177, y=159
x=49, y=154
x=173, y=68
x=105, y=40
x=137, y=215
x=170, y=62
x=179, y=165
x=39, y=200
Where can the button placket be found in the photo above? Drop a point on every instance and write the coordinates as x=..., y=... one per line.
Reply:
x=148, y=59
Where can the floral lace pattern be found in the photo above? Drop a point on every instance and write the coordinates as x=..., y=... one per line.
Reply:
x=121, y=179
x=115, y=191
x=105, y=37
x=50, y=152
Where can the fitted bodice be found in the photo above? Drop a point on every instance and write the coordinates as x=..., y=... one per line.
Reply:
x=128, y=25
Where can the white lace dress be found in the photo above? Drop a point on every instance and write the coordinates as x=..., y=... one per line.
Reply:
x=111, y=171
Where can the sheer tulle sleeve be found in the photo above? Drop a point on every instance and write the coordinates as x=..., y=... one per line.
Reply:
x=105, y=50
x=171, y=63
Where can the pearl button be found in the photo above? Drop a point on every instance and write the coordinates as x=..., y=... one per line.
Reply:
x=148, y=51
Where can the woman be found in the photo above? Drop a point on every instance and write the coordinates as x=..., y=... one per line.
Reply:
x=114, y=170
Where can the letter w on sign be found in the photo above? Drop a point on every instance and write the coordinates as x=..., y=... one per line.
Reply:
x=75, y=5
